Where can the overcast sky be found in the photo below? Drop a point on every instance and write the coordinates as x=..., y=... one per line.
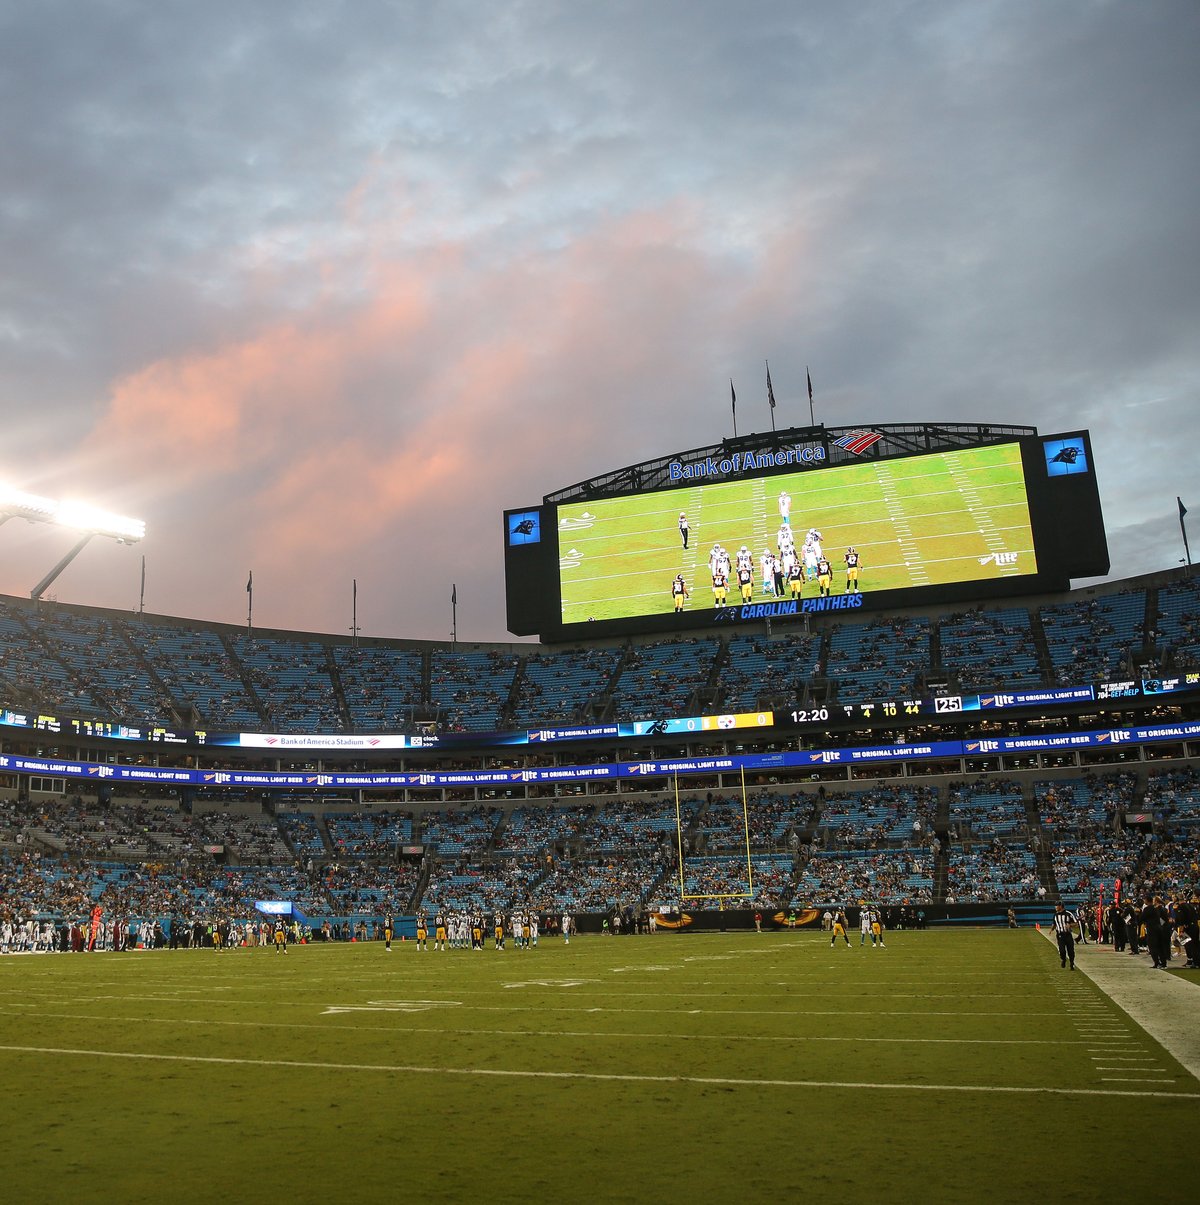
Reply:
x=319, y=289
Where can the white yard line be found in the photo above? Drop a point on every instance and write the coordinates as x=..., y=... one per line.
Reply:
x=590, y=1076
x=676, y=1035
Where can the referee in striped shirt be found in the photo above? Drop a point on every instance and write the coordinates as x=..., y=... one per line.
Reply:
x=1064, y=923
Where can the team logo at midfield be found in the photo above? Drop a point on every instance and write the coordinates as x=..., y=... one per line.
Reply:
x=858, y=441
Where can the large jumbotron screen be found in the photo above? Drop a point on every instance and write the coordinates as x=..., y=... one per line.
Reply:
x=937, y=519
x=985, y=519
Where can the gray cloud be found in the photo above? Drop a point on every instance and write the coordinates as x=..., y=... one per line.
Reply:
x=964, y=212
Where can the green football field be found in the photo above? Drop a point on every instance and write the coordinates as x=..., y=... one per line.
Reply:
x=918, y=521
x=951, y=1066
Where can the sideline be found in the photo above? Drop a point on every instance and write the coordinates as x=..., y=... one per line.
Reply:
x=1163, y=1005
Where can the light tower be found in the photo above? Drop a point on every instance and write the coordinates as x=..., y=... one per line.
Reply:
x=78, y=516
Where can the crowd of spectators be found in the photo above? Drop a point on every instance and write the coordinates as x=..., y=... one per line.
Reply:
x=878, y=815
x=995, y=870
x=891, y=876
x=990, y=649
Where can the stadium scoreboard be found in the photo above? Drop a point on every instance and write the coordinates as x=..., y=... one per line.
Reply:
x=804, y=522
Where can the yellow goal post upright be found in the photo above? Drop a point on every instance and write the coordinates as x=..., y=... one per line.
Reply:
x=748, y=894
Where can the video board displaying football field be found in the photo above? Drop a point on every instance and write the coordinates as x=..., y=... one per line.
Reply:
x=917, y=521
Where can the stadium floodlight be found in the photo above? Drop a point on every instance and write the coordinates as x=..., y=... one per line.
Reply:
x=88, y=520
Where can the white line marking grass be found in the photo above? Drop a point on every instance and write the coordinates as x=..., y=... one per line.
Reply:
x=493, y=1073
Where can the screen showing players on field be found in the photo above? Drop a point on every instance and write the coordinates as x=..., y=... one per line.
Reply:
x=895, y=524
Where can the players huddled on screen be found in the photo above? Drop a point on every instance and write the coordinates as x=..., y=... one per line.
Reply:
x=783, y=570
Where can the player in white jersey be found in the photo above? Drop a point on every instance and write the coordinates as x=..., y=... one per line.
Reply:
x=785, y=507
x=714, y=558
x=785, y=539
x=534, y=921
x=566, y=928
x=745, y=558
x=766, y=561
x=811, y=557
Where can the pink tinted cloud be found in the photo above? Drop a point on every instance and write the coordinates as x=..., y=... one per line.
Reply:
x=450, y=391
x=201, y=415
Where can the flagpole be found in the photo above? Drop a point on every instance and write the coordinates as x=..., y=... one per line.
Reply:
x=733, y=402
x=454, y=614
x=354, y=614
x=812, y=421
x=142, y=595
x=1187, y=552
x=250, y=604
x=770, y=396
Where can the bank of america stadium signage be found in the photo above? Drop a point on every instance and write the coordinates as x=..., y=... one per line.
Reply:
x=746, y=462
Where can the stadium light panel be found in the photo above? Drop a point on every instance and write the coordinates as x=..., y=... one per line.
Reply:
x=86, y=520
x=80, y=516
x=83, y=517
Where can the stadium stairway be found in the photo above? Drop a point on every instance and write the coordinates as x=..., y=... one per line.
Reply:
x=1041, y=645
x=497, y=831
x=941, y=869
x=339, y=696
x=935, y=644
x=1150, y=653
x=599, y=708
x=669, y=871
x=422, y=883
x=1039, y=842
x=244, y=676
x=709, y=696
x=182, y=711
x=508, y=710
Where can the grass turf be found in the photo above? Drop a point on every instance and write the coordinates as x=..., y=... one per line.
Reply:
x=920, y=521
x=952, y=1066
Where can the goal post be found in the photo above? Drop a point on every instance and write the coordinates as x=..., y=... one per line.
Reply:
x=684, y=894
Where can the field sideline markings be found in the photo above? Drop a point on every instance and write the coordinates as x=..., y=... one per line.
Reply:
x=575, y=1008
x=551, y=1033
x=596, y=1076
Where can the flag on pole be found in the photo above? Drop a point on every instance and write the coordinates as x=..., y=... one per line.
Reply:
x=1182, y=508
x=454, y=595
x=250, y=583
x=733, y=400
x=809, y=376
x=770, y=389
